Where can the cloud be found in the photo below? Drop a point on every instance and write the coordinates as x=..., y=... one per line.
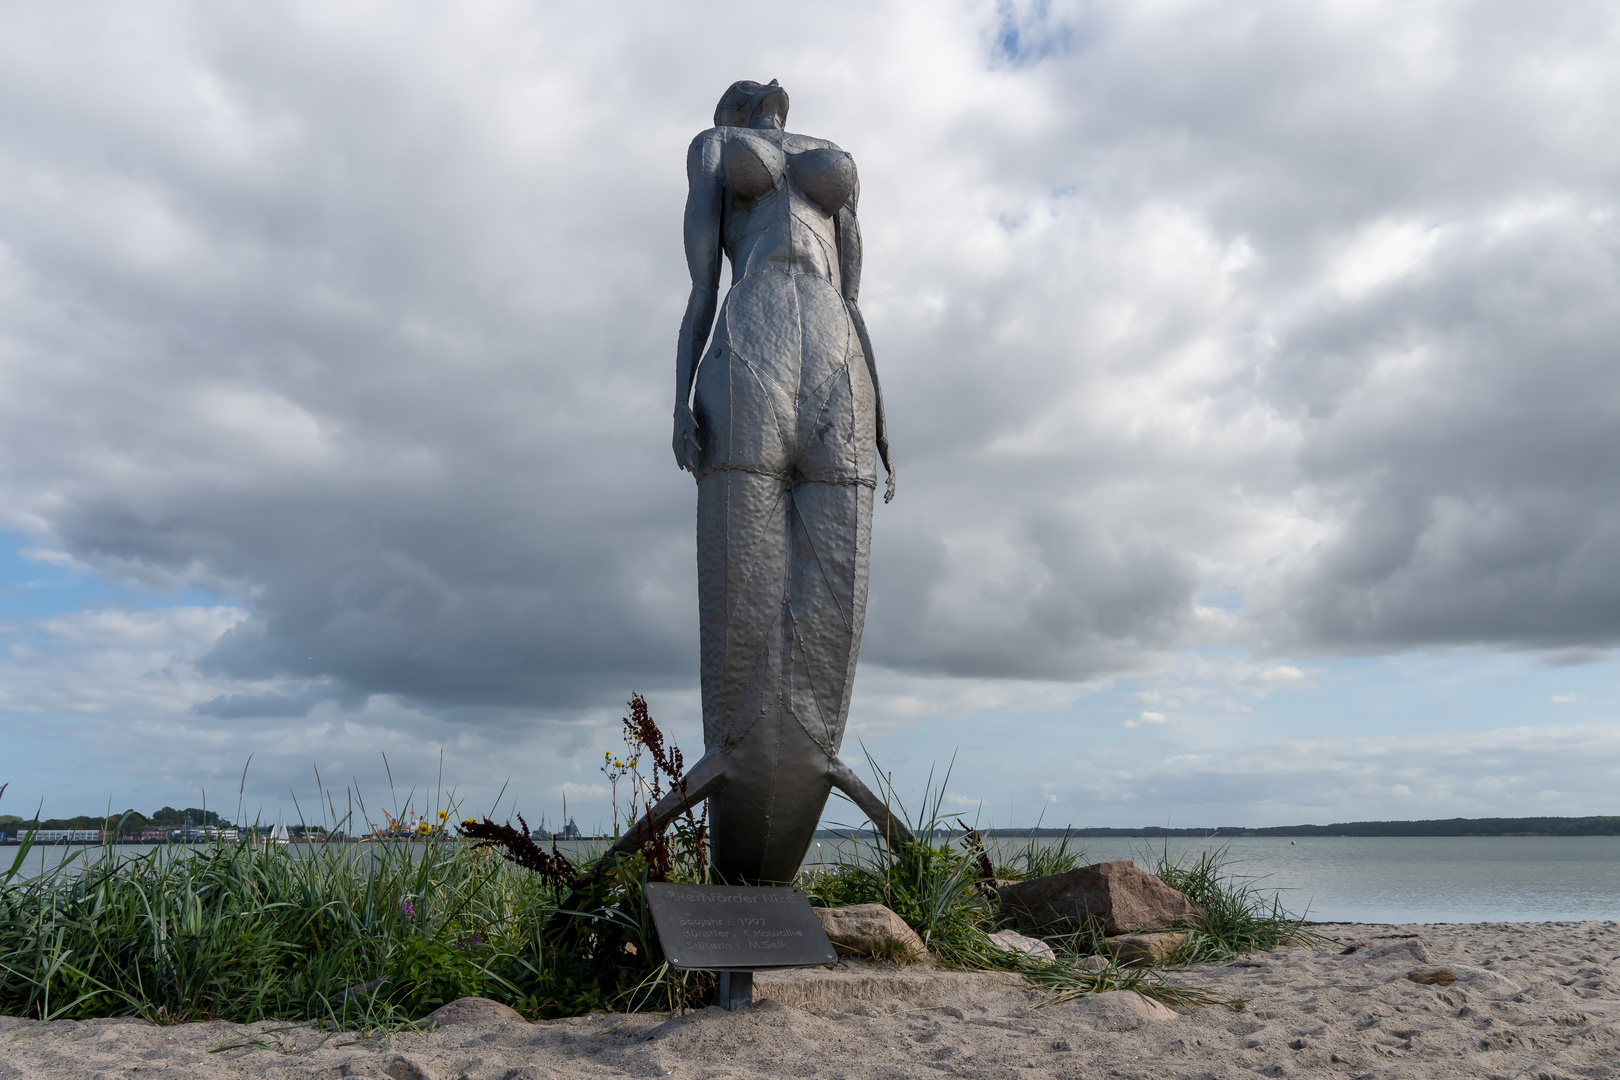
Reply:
x=1528, y=771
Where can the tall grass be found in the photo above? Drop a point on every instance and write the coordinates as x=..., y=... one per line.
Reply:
x=935, y=888
x=1237, y=916
x=359, y=935
x=1036, y=860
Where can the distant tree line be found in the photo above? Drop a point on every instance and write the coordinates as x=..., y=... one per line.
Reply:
x=1530, y=826
x=129, y=821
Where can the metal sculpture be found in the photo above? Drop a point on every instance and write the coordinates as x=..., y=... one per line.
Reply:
x=779, y=417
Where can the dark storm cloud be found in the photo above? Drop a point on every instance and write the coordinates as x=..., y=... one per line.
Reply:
x=1285, y=326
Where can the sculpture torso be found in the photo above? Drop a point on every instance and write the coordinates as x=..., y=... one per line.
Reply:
x=782, y=192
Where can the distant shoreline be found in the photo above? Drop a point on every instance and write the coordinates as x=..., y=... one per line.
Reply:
x=1539, y=826
x=1438, y=827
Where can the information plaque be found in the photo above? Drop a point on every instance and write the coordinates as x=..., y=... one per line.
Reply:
x=736, y=928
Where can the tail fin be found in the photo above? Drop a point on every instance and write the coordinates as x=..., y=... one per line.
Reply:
x=700, y=781
x=890, y=827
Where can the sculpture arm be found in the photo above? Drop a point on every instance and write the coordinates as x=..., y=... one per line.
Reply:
x=704, y=202
x=849, y=276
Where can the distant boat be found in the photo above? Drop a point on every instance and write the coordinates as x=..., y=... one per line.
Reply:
x=278, y=835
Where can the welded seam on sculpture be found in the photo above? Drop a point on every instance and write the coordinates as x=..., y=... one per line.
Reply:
x=825, y=740
x=767, y=544
x=810, y=542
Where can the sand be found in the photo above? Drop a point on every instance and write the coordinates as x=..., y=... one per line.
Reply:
x=1511, y=1000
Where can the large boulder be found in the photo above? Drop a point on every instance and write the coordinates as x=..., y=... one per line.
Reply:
x=870, y=930
x=1125, y=897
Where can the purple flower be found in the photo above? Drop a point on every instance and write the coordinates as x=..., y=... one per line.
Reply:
x=407, y=907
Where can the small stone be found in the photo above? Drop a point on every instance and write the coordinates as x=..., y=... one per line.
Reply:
x=1121, y=1010
x=1013, y=941
x=1146, y=948
x=870, y=930
x=1094, y=964
x=1432, y=976
x=1125, y=897
x=1463, y=977
x=471, y=1011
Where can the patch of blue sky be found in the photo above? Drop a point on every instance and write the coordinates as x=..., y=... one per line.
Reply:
x=33, y=587
x=1227, y=598
x=1026, y=33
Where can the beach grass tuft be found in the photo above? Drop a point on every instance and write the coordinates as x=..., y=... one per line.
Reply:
x=1238, y=916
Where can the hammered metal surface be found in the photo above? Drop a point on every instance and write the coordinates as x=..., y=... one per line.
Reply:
x=784, y=435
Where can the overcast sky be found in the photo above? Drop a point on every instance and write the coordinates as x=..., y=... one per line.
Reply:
x=1251, y=375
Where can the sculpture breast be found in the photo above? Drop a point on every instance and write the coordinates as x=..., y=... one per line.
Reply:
x=753, y=166
x=826, y=176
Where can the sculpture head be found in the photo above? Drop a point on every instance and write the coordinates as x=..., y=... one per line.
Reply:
x=750, y=104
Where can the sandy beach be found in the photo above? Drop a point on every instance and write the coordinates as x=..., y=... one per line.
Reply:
x=1502, y=1000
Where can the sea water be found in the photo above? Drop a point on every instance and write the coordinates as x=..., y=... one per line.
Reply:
x=1326, y=879
x=1391, y=879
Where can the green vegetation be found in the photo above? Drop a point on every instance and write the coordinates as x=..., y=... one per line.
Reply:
x=1035, y=860
x=372, y=936
x=1238, y=918
x=248, y=933
x=940, y=892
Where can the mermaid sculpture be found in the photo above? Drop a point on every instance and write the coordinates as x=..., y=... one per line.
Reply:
x=780, y=418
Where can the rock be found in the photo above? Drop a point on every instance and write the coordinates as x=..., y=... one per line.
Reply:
x=1462, y=976
x=471, y=1012
x=1120, y=893
x=870, y=930
x=1432, y=976
x=1405, y=951
x=1121, y=1010
x=1095, y=964
x=1146, y=948
x=1013, y=941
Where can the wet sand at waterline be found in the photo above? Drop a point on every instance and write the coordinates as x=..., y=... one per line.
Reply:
x=1508, y=1000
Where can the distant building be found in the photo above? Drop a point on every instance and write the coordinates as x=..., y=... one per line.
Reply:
x=571, y=831
x=68, y=836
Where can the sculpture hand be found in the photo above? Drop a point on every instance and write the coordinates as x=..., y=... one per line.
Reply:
x=686, y=442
